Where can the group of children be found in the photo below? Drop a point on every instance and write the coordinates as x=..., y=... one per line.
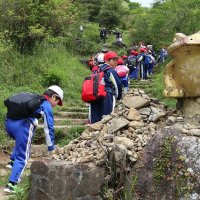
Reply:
x=138, y=64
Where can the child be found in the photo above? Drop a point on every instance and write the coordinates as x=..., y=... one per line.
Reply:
x=123, y=72
x=113, y=89
x=22, y=131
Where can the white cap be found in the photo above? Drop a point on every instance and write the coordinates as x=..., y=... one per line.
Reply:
x=99, y=58
x=58, y=91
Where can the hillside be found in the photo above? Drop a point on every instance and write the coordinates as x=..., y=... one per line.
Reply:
x=49, y=65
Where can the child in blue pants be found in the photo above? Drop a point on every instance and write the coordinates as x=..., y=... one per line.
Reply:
x=123, y=72
x=113, y=87
x=22, y=131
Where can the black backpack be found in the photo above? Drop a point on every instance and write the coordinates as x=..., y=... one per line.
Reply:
x=132, y=62
x=23, y=105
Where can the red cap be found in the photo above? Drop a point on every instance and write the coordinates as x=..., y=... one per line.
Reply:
x=132, y=52
x=142, y=49
x=109, y=55
x=135, y=53
x=124, y=57
x=120, y=61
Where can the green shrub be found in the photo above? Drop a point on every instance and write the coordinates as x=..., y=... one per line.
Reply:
x=53, y=77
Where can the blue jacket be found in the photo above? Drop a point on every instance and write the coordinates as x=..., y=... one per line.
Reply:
x=112, y=81
x=45, y=110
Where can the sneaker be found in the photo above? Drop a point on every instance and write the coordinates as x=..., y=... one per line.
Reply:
x=10, y=164
x=10, y=188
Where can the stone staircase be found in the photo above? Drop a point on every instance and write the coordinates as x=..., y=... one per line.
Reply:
x=67, y=117
x=147, y=86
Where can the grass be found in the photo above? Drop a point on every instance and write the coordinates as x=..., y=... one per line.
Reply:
x=157, y=87
x=73, y=133
x=34, y=73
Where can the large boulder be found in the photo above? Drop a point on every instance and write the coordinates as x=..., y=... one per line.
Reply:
x=169, y=168
x=53, y=180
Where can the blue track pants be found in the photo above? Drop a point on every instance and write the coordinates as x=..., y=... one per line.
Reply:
x=22, y=132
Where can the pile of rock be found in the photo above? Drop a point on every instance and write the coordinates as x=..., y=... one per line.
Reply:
x=114, y=144
x=125, y=132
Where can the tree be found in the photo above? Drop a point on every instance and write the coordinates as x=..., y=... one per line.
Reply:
x=93, y=8
x=25, y=22
x=158, y=24
x=111, y=13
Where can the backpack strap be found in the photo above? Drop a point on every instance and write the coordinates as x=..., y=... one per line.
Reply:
x=100, y=70
x=106, y=68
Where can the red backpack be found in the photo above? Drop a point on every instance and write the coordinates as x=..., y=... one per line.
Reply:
x=93, y=87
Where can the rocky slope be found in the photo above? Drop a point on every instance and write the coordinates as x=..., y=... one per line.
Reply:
x=142, y=147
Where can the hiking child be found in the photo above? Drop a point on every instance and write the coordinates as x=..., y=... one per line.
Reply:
x=152, y=62
x=113, y=88
x=146, y=61
x=103, y=34
x=118, y=35
x=22, y=131
x=142, y=69
x=123, y=72
x=132, y=64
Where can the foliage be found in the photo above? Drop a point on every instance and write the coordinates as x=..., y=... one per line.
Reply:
x=88, y=40
x=152, y=25
x=93, y=8
x=129, y=193
x=25, y=22
x=111, y=13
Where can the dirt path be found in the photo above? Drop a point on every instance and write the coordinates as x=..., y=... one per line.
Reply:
x=4, y=158
x=3, y=196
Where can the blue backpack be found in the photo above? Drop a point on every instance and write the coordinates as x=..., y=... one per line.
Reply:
x=147, y=59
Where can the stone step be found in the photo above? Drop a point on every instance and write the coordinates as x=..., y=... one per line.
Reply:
x=140, y=85
x=59, y=127
x=4, y=171
x=68, y=121
x=142, y=81
x=72, y=109
x=73, y=115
